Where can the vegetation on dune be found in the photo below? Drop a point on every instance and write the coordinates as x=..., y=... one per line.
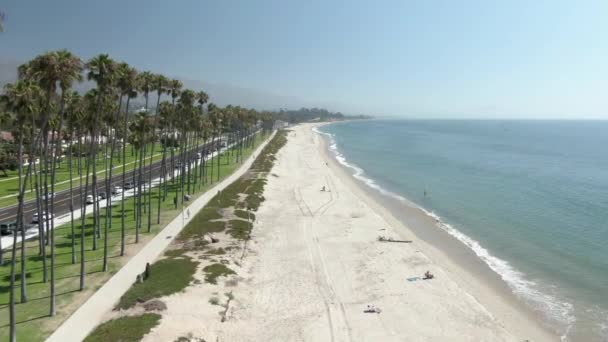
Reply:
x=214, y=271
x=177, y=270
x=167, y=276
x=125, y=329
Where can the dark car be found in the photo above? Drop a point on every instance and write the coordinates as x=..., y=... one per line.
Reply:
x=129, y=185
x=102, y=195
x=7, y=228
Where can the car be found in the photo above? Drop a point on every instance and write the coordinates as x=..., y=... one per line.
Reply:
x=198, y=155
x=116, y=190
x=45, y=216
x=48, y=196
x=7, y=227
x=102, y=195
x=129, y=185
x=89, y=199
x=178, y=165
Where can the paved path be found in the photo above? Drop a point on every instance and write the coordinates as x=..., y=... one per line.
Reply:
x=78, y=326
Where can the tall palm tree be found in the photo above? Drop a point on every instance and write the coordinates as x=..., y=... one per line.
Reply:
x=22, y=99
x=101, y=70
x=75, y=113
x=186, y=110
x=127, y=83
x=175, y=88
x=70, y=70
x=160, y=85
x=44, y=70
x=140, y=128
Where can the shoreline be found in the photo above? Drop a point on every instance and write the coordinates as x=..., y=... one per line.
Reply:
x=411, y=221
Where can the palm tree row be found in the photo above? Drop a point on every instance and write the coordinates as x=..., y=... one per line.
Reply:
x=43, y=110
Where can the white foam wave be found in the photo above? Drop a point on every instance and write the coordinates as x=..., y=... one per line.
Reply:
x=558, y=312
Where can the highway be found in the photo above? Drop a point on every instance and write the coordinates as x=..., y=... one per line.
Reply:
x=62, y=199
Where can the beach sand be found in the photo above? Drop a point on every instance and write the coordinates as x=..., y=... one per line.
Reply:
x=314, y=264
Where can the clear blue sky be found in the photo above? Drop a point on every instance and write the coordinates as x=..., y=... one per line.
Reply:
x=482, y=58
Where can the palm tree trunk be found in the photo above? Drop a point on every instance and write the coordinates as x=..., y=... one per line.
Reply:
x=71, y=152
x=83, y=217
x=219, y=154
x=124, y=173
x=108, y=223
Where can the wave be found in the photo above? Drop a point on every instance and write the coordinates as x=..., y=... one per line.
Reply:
x=558, y=312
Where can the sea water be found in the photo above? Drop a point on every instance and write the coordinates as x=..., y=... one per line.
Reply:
x=530, y=198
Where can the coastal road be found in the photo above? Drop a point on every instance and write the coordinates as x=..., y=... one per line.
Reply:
x=62, y=199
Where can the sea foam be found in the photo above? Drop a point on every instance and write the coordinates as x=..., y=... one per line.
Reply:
x=558, y=312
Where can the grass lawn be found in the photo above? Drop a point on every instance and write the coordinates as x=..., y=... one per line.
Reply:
x=33, y=321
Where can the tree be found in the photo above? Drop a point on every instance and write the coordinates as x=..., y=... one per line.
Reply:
x=22, y=98
x=70, y=70
x=160, y=85
x=127, y=84
x=102, y=70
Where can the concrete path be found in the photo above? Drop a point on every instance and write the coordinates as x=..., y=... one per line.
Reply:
x=78, y=326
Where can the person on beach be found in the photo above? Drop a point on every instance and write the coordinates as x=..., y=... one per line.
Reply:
x=323, y=189
x=428, y=275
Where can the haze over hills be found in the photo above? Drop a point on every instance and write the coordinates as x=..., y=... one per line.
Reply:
x=220, y=94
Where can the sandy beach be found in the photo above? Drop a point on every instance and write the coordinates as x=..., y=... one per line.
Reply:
x=314, y=264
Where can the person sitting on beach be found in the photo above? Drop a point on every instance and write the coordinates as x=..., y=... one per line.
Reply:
x=428, y=275
x=323, y=188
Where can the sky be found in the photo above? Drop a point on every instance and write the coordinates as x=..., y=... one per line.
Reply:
x=416, y=59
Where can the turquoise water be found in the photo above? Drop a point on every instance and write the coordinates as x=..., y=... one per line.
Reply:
x=529, y=197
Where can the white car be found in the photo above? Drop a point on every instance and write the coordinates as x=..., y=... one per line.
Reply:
x=89, y=199
x=45, y=216
x=48, y=196
x=116, y=190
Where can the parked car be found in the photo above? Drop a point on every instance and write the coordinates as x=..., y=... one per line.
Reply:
x=129, y=185
x=45, y=216
x=90, y=199
x=116, y=190
x=7, y=227
x=102, y=195
x=198, y=155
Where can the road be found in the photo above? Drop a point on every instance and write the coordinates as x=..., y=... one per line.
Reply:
x=62, y=199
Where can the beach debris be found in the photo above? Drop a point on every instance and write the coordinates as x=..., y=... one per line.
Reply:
x=413, y=278
x=372, y=309
x=155, y=305
x=210, y=238
x=383, y=238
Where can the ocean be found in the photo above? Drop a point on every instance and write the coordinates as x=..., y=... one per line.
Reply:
x=530, y=198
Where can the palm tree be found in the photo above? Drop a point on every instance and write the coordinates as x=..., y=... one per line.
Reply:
x=175, y=87
x=75, y=113
x=70, y=70
x=45, y=72
x=127, y=83
x=160, y=85
x=102, y=70
x=186, y=109
x=165, y=113
x=140, y=128
x=22, y=99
